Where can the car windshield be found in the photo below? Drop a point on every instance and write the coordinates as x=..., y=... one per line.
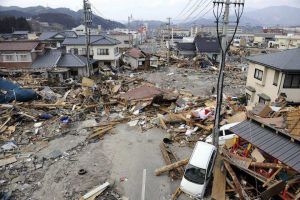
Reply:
x=195, y=174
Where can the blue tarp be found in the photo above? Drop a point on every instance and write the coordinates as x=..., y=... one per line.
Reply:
x=14, y=92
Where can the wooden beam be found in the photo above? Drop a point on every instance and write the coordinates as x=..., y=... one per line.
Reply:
x=219, y=183
x=236, y=182
x=166, y=158
x=171, y=166
x=272, y=177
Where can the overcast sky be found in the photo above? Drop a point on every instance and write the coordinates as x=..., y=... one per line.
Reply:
x=142, y=9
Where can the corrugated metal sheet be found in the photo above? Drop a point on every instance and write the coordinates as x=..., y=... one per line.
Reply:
x=273, y=144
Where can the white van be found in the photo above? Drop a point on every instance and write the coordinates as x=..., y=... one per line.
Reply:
x=199, y=170
x=225, y=134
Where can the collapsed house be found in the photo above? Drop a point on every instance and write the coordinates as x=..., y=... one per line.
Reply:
x=138, y=59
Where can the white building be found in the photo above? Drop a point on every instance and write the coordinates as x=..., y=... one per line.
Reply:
x=80, y=30
x=289, y=41
x=104, y=49
x=270, y=75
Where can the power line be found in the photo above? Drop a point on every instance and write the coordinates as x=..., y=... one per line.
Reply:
x=193, y=6
x=198, y=16
x=194, y=10
x=205, y=6
x=186, y=6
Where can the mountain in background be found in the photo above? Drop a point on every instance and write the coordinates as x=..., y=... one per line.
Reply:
x=64, y=16
x=270, y=16
x=276, y=15
x=152, y=24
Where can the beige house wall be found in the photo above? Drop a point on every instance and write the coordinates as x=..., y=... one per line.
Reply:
x=267, y=87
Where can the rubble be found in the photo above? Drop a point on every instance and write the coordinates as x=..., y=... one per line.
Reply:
x=92, y=108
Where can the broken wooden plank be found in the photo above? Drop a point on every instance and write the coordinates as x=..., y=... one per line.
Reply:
x=176, y=194
x=7, y=161
x=272, y=177
x=236, y=182
x=167, y=158
x=95, y=192
x=100, y=133
x=268, y=165
x=171, y=166
x=219, y=183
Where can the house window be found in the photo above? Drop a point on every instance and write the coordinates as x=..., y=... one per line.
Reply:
x=102, y=51
x=140, y=63
x=9, y=58
x=258, y=74
x=276, y=77
x=74, y=50
x=83, y=51
x=291, y=81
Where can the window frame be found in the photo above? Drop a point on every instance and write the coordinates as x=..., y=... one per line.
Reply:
x=256, y=74
x=276, y=77
x=292, y=79
x=102, y=52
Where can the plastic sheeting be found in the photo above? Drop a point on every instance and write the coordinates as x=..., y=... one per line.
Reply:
x=11, y=91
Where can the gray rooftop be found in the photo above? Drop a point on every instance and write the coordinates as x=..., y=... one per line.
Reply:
x=267, y=140
x=287, y=61
x=94, y=40
x=54, y=58
x=20, y=32
x=48, y=60
x=72, y=60
x=49, y=35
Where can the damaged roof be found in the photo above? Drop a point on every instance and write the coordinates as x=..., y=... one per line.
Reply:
x=207, y=44
x=185, y=46
x=288, y=60
x=276, y=145
x=136, y=53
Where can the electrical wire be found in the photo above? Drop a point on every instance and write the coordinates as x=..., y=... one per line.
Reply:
x=199, y=17
x=194, y=10
x=186, y=6
x=201, y=11
x=194, y=6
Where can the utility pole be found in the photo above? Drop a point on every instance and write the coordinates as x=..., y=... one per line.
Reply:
x=169, y=39
x=129, y=34
x=87, y=23
x=239, y=6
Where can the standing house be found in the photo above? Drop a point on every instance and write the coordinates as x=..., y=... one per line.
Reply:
x=124, y=39
x=270, y=75
x=19, y=54
x=104, y=49
x=55, y=39
x=208, y=46
x=138, y=59
x=62, y=65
